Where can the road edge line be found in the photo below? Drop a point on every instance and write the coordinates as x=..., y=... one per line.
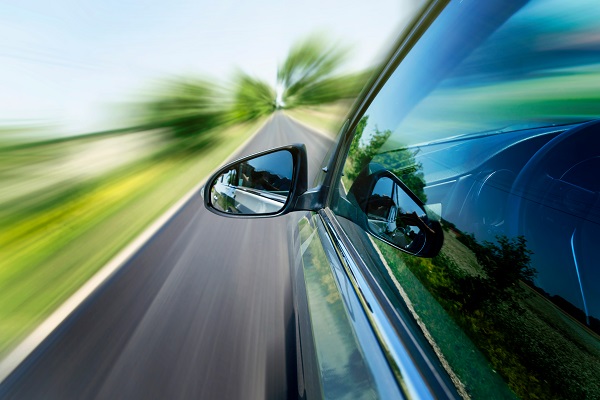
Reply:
x=28, y=345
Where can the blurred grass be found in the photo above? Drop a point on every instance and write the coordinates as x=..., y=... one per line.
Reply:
x=48, y=253
x=326, y=118
x=35, y=176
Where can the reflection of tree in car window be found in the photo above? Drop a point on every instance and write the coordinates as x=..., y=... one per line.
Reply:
x=401, y=162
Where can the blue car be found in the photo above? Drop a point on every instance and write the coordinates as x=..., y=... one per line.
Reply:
x=446, y=249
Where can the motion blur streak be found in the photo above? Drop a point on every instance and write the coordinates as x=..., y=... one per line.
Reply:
x=203, y=311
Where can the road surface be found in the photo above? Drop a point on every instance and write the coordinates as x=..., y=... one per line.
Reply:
x=203, y=311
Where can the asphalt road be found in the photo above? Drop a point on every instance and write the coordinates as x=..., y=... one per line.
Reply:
x=203, y=311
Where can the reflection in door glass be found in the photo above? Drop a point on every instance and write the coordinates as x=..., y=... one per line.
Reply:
x=495, y=129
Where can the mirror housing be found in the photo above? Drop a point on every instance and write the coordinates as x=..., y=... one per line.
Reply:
x=394, y=214
x=264, y=184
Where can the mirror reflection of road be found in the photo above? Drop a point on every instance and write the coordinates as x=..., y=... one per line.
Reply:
x=203, y=311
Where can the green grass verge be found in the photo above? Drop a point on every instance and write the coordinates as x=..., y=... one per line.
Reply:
x=48, y=255
x=327, y=119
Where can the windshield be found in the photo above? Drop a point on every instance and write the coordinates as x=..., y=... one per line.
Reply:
x=498, y=68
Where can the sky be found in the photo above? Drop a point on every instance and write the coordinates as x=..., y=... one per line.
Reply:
x=71, y=64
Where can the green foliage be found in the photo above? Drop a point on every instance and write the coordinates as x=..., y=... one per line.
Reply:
x=310, y=74
x=504, y=265
x=403, y=164
x=354, y=146
x=473, y=304
x=186, y=107
x=189, y=109
x=361, y=154
x=417, y=275
x=401, y=161
x=532, y=347
x=252, y=98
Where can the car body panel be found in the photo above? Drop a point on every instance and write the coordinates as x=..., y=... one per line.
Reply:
x=350, y=362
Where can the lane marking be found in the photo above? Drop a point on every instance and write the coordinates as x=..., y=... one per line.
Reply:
x=16, y=356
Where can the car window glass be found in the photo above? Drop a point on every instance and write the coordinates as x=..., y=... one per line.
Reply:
x=490, y=120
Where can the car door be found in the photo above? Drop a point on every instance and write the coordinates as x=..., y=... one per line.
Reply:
x=475, y=117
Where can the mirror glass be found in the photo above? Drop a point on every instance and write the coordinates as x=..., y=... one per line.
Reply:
x=395, y=217
x=260, y=185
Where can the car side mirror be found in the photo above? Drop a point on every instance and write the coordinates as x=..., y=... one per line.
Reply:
x=393, y=213
x=264, y=184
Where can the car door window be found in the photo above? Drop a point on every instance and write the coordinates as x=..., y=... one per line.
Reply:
x=489, y=120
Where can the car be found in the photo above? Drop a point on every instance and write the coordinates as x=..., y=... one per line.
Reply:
x=447, y=247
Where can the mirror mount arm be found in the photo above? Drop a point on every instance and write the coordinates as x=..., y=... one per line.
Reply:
x=310, y=200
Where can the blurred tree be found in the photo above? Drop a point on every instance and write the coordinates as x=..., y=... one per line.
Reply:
x=186, y=107
x=310, y=74
x=189, y=107
x=252, y=98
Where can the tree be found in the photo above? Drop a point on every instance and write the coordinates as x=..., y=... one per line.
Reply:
x=185, y=107
x=504, y=264
x=399, y=161
x=188, y=108
x=310, y=74
x=252, y=98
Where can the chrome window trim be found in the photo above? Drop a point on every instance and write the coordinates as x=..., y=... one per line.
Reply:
x=416, y=375
x=384, y=383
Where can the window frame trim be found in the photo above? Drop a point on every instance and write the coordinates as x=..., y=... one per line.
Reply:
x=408, y=359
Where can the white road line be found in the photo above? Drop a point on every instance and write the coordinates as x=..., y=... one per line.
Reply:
x=31, y=342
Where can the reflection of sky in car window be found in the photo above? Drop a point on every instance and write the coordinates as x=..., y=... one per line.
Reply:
x=384, y=187
x=524, y=72
x=278, y=163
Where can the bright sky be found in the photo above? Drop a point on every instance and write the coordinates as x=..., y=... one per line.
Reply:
x=70, y=63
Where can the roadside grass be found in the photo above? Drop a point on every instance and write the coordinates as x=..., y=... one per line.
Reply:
x=50, y=252
x=37, y=176
x=328, y=118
